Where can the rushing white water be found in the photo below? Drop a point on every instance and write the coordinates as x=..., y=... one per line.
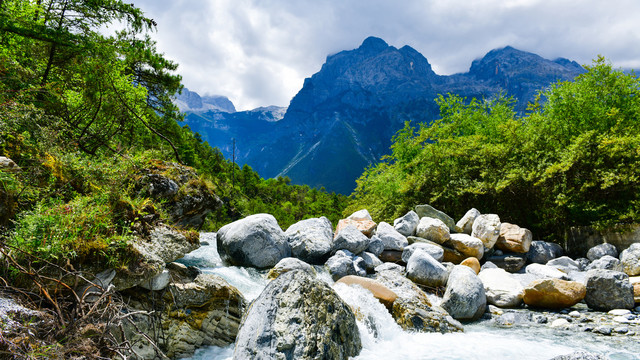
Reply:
x=383, y=339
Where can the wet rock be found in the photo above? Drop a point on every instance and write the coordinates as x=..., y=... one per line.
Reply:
x=607, y=290
x=606, y=262
x=467, y=245
x=433, y=229
x=379, y=291
x=255, y=241
x=540, y=252
x=289, y=264
x=392, y=239
x=412, y=309
x=407, y=224
x=501, y=288
x=472, y=263
x=509, y=262
x=465, y=224
x=392, y=256
x=601, y=250
x=553, y=293
x=423, y=269
x=324, y=326
x=464, y=298
x=513, y=238
x=310, y=240
x=630, y=258
x=431, y=212
x=351, y=239
x=345, y=263
x=434, y=250
x=486, y=227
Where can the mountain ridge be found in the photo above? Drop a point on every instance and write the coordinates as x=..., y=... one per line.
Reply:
x=344, y=116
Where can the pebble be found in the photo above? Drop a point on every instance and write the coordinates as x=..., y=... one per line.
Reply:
x=621, y=330
x=574, y=314
x=559, y=323
x=619, y=312
x=495, y=310
x=604, y=330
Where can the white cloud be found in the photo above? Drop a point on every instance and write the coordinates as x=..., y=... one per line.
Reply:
x=257, y=52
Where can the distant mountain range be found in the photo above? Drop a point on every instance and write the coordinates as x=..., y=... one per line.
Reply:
x=344, y=117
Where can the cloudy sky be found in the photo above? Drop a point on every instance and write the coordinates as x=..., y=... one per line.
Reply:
x=258, y=52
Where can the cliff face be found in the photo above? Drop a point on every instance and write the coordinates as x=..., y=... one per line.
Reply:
x=344, y=117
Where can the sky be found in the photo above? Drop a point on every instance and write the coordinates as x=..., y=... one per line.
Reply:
x=258, y=52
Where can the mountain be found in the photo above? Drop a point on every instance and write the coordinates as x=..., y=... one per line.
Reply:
x=344, y=117
x=192, y=102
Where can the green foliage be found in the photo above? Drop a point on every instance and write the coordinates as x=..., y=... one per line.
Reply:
x=573, y=160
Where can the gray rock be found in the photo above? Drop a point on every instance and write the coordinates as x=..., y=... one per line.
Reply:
x=510, y=262
x=360, y=215
x=298, y=317
x=435, y=251
x=412, y=309
x=608, y=290
x=423, y=269
x=601, y=250
x=464, y=298
x=486, y=227
x=606, y=262
x=311, y=239
x=540, y=252
x=407, y=224
x=467, y=245
x=370, y=261
x=433, y=229
x=564, y=264
x=630, y=258
x=545, y=272
x=399, y=269
x=465, y=224
x=7, y=164
x=345, y=263
x=391, y=238
x=376, y=246
x=158, y=282
x=255, y=241
x=501, y=288
x=583, y=263
x=430, y=211
x=290, y=264
x=350, y=238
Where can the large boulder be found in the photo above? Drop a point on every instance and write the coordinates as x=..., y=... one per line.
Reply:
x=289, y=264
x=486, y=227
x=350, y=238
x=467, y=245
x=465, y=224
x=345, y=263
x=430, y=211
x=501, y=288
x=379, y=291
x=407, y=224
x=433, y=229
x=412, y=309
x=255, y=241
x=630, y=258
x=513, y=238
x=601, y=250
x=606, y=262
x=423, y=269
x=365, y=226
x=545, y=272
x=376, y=246
x=564, y=264
x=435, y=250
x=164, y=245
x=311, y=239
x=464, y=298
x=540, y=252
x=391, y=238
x=608, y=290
x=511, y=262
x=298, y=317
x=553, y=293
